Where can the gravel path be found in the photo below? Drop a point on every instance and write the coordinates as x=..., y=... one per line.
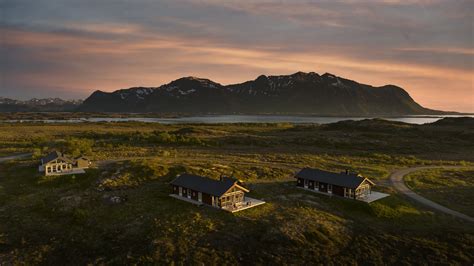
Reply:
x=13, y=157
x=396, y=178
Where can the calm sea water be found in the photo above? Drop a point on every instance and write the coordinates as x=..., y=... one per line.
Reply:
x=215, y=119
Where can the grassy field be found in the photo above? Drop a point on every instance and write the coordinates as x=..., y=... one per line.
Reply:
x=453, y=189
x=70, y=219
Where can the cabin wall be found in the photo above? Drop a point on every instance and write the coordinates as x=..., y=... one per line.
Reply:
x=300, y=182
x=175, y=189
x=185, y=192
x=231, y=198
x=194, y=194
x=362, y=191
x=81, y=163
x=323, y=187
x=206, y=198
x=338, y=190
x=57, y=167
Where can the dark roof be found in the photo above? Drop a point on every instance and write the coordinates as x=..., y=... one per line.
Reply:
x=349, y=180
x=204, y=184
x=51, y=156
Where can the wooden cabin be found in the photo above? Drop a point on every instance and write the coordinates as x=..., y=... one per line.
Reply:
x=57, y=163
x=344, y=184
x=226, y=193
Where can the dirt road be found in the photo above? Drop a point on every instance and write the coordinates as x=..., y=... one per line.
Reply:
x=13, y=157
x=396, y=179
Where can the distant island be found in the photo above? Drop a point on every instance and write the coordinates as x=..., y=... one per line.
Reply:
x=297, y=94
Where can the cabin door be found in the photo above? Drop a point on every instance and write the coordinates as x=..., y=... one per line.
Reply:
x=180, y=191
x=306, y=183
x=199, y=196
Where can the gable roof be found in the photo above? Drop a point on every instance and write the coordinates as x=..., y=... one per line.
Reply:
x=349, y=180
x=53, y=156
x=205, y=184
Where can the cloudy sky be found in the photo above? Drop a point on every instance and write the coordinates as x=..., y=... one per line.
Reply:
x=69, y=48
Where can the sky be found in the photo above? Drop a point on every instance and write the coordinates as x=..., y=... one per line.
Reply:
x=70, y=48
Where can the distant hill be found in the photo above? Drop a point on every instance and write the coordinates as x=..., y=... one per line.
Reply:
x=455, y=122
x=299, y=93
x=462, y=126
x=38, y=105
x=374, y=124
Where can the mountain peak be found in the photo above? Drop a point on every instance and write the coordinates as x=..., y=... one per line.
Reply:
x=193, y=81
x=262, y=78
x=299, y=74
x=329, y=75
x=194, y=78
x=298, y=93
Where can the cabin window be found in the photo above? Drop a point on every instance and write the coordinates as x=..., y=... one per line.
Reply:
x=348, y=192
x=329, y=188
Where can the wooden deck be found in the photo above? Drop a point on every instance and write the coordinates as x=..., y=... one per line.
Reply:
x=247, y=204
x=76, y=171
x=369, y=198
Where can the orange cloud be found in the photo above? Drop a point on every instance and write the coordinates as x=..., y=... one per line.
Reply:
x=153, y=59
x=448, y=50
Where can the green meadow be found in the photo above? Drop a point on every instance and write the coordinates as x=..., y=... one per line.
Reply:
x=71, y=220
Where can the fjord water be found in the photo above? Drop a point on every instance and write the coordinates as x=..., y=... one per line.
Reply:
x=217, y=119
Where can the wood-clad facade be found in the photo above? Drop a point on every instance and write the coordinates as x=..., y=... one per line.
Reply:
x=343, y=184
x=224, y=193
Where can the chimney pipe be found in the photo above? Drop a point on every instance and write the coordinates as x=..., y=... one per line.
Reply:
x=347, y=171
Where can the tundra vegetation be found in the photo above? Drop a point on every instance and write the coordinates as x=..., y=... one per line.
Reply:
x=451, y=188
x=71, y=219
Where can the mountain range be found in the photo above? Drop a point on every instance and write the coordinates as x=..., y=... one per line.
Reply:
x=299, y=93
x=38, y=105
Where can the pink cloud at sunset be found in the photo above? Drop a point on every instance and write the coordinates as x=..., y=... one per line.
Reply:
x=73, y=58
